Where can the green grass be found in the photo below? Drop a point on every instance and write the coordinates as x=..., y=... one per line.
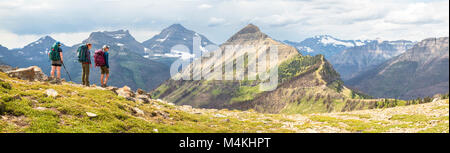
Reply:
x=160, y=90
x=440, y=128
x=410, y=118
x=245, y=93
x=296, y=66
x=67, y=113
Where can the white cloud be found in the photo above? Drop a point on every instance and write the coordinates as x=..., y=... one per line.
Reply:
x=11, y=40
x=420, y=13
x=70, y=39
x=213, y=21
x=205, y=6
x=282, y=19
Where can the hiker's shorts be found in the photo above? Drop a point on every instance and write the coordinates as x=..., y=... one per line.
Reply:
x=105, y=70
x=56, y=63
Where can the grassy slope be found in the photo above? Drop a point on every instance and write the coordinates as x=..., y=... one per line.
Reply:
x=24, y=107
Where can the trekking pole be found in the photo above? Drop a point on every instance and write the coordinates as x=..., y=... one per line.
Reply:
x=66, y=71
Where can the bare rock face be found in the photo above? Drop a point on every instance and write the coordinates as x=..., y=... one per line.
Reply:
x=32, y=73
x=6, y=68
x=140, y=91
x=125, y=92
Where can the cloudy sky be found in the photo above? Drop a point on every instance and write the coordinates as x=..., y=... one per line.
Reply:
x=71, y=21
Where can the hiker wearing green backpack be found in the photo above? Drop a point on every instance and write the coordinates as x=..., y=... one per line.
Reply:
x=84, y=57
x=101, y=60
x=56, y=56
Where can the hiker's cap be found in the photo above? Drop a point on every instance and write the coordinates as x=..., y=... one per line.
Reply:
x=105, y=46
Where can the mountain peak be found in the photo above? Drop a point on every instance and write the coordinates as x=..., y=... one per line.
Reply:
x=250, y=28
x=46, y=41
x=176, y=26
x=46, y=38
x=117, y=35
x=324, y=36
x=173, y=35
x=249, y=32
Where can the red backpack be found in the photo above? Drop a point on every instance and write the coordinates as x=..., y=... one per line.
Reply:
x=99, y=58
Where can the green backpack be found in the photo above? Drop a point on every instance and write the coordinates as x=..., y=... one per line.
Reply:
x=54, y=54
x=81, y=53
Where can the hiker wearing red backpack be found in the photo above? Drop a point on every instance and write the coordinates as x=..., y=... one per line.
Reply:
x=101, y=60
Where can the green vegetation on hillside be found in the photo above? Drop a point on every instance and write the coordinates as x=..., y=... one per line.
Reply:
x=25, y=107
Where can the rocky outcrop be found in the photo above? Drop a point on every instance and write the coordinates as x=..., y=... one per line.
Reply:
x=32, y=73
x=138, y=96
x=6, y=68
x=125, y=92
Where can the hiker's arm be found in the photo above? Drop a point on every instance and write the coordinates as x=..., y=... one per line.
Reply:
x=106, y=60
x=61, y=55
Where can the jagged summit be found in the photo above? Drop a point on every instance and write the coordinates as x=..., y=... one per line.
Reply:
x=173, y=35
x=46, y=40
x=251, y=28
x=430, y=42
x=120, y=39
x=176, y=26
x=248, y=33
x=119, y=34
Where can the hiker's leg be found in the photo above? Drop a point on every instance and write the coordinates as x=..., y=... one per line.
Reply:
x=87, y=74
x=106, y=78
x=83, y=74
x=58, y=70
x=52, y=73
x=101, y=79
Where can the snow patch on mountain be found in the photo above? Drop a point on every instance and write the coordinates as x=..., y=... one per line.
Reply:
x=174, y=54
x=305, y=48
x=335, y=42
x=164, y=39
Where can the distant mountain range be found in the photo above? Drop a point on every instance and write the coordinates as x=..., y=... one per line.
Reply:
x=132, y=63
x=351, y=61
x=324, y=44
x=159, y=46
x=350, y=57
x=3, y=52
x=34, y=53
x=420, y=71
x=175, y=34
x=146, y=65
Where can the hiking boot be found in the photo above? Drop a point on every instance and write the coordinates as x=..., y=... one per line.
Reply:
x=58, y=81
x=49, y=79
x=53, y=81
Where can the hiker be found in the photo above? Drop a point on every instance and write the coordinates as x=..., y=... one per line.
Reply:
x=56, y=56
x=101, y=60
x=84, y=57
